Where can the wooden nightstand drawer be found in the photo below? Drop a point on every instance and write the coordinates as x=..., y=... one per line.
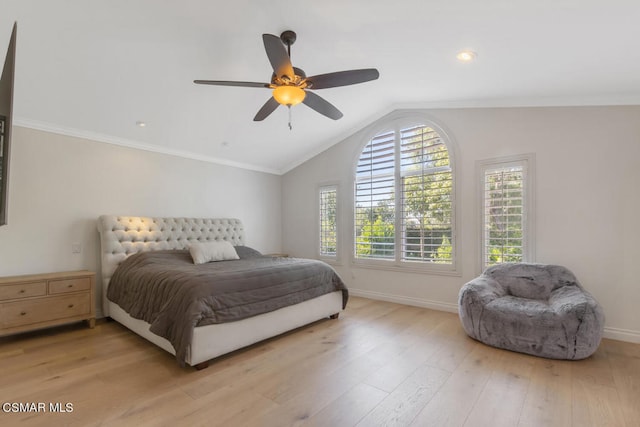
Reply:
x=23, y=290
x=69, y=285
x=37, y=301
x=37, y=310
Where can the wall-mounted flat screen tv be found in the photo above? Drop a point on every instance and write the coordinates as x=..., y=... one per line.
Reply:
x=6, y=112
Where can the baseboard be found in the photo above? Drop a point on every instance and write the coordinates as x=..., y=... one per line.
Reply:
x=622, y=335
x=610, y=333
x=400, y=299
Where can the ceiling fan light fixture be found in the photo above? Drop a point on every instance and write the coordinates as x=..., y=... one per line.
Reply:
x=289, y=95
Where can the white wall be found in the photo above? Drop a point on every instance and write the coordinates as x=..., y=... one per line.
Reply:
x=587, y=202
x=59, y=185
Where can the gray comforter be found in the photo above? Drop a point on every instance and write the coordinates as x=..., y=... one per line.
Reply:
x=168, y=291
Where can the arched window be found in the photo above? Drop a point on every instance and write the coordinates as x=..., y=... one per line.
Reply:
x=404, y=198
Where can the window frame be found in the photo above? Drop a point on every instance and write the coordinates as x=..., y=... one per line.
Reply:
x=333, y=259
x=527, y=162
x=396, y=123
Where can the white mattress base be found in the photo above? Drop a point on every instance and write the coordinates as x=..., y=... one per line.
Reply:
x=214, y=340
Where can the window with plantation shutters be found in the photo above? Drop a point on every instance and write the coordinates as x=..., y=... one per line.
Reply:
x=404, y=198
x=374, y=199
x=426, y=196
x=328, y=221
x=506, y=203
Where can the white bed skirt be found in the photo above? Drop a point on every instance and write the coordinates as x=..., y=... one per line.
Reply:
x=214, y=340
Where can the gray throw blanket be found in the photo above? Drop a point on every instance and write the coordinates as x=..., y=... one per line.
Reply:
x=173, y=295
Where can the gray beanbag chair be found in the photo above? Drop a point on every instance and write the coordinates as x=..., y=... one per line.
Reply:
x=532, y=308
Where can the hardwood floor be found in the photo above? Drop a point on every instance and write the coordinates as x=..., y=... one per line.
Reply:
x=379, y=364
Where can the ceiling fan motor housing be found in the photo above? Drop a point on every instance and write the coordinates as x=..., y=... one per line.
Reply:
x=288, y=37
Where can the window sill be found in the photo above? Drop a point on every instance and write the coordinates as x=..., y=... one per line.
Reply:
x=330, y=261
x=441, y=270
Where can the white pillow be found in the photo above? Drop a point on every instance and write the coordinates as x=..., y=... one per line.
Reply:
x=212, y=251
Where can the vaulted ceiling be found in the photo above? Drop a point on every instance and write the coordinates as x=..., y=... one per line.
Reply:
x=95, y=68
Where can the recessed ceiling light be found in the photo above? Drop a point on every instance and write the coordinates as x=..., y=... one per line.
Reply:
x=141, y=124
x=466, y=55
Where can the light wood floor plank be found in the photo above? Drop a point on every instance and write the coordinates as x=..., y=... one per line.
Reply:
x=380, y=363
x=596, y=401
x=456, y=398
x=501, y=400
x=548, y=402
x=350, y=408
x=625, y=365
x=404, y=403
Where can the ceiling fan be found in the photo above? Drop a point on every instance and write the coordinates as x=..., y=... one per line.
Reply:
x=290, y=84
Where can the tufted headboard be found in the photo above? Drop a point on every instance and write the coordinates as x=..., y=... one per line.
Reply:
x=121, y=236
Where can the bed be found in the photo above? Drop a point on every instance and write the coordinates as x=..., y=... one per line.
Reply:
x=124, y=239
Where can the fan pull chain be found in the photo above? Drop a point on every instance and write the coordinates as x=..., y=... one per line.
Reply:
x=290, y=127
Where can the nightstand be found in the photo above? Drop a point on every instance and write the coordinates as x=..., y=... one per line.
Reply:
x=42, y=300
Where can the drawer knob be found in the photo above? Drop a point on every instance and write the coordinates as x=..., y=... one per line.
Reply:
x=22, y=313
x=69, y=286
x=70, y=306
x=22, y=291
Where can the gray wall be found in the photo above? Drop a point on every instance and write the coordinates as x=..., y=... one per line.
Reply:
x=587, y=202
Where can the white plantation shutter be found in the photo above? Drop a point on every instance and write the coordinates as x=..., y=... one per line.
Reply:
x=427, y=196
x=404, y=198
x=506, y=223
x=375, y=188
x=328, y=221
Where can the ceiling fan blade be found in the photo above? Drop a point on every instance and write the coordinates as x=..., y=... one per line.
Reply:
x=321, y=105
x=230, y=83
x=268, y=108
x=278, y=56
x=343, y=78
